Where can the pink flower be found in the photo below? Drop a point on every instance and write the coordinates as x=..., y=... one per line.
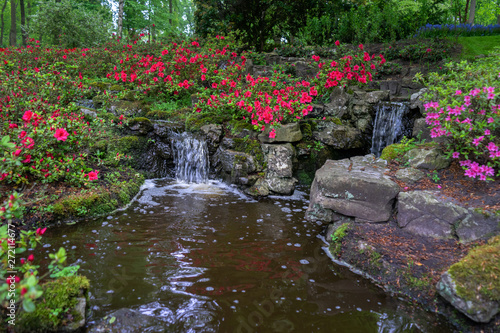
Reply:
x=31, y=257
x=360, y=46
x=61, y=134
x=487, y=132
x=92, y=175
x=491, y=120
x=477, y=141
x=40, y=231
x=455, y=154
x=491, y=96
x=458, y=92
x=272, y=134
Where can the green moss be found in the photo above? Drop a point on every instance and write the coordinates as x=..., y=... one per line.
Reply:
x=479, y=272
x=240, y=126
x=157, y=114
x=108, y=116
x=55, y=308
x=250, y=147
x=140, y=120
x=195, y=121
x=337, y=236
x=390, y=152
x=99, y=85
x=116, y=87
x=99, y=201
x=306, y=130
x=334, y=120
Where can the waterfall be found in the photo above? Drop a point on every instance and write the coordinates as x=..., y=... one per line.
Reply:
x=389, y=125
x=191, y=159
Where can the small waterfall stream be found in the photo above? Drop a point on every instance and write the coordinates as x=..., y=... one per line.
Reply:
x=191, y=159
x=389, y=126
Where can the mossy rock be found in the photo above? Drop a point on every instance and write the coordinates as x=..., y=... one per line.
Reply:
x=240, y=128
x=157, y=114
x=252, y=148
x=55, y=309
x=306, y=130
x=99, y=85
x=391, y=152
x=141, y=124
x=108, y=117
x=195, y=121
x=116, y=87
x=334, y=120
x=130, y=95
x=479, y=272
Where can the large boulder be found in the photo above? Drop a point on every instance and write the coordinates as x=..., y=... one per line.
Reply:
x=284, y=133
x=355, y=187
x=431, y=159
x=428, y=213
x=472, y=285
x=409, y=175
x=337, y=135
x=339, y=101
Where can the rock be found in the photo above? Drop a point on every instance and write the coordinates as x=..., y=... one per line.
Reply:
x=126, y=108
x=338, y=136
x=421, y=213
x=392, y=86
x=89, y=112
x=229, y=158
x=420, y=128
x=472, y=285
x=79, y=308
x=283, y=186
x=284, y=133
x=141, y=125
x=212, y=134
x=424, y=213
x=127, y=321
x=279, y=170
x=355, y=187
x=432, y=159
x=279, y=160
x=477, y=225
x=409, y=175
x=377, y=96
x=416, y=101
x=259, y=189
x=339, y=100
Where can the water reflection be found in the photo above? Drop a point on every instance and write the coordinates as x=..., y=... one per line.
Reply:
x=205, y=258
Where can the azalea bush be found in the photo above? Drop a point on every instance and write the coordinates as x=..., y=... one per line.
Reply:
x=465, y=108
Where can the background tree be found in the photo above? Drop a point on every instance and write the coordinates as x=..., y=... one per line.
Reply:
x=120, y=17
x=13, y=31
x=2, y=22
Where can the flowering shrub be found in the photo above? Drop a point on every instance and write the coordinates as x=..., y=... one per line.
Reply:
x=472, y=126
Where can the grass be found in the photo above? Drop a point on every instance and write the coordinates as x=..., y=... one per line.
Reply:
x=474, y=46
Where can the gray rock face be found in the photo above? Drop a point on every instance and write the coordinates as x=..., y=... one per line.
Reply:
x=416, y=100
x=377, y=96
x=421, y=213
x=127, y=321
x=259, y=189
x=80, y=308
x=284, y=133
x=339, y=100
x=280, y=168
x=432, y=159
x=420, y=128
x=338, y=136
x=477, y=309
x=355, y=187
x=212, y=134
x=424, y=213
x=409, y=175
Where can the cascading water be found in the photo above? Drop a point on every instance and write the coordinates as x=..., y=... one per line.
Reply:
x=191, y=159
x=389, y=125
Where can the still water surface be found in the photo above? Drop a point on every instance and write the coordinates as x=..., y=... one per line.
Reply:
x=205, y=258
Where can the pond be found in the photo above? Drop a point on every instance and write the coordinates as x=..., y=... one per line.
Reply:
x=206, y=258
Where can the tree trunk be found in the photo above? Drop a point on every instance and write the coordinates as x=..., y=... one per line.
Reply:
x=170, y=11
x=464, y=20
x=24, y=33
x=498, y=19
x=13, y=32
x=120, y=17
x=2, y=22
x=472, y=12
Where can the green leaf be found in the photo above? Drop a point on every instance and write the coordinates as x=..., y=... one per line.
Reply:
x=28, y=305
x=112, y=320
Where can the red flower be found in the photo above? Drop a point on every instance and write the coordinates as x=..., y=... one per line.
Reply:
x=24, y=291
x=40, y=231
x=22, y=261
x=121, y=117
x=31, y=257
x=360, y=46
x=27, y=116
x=92, y=175
x=61, y=134
x=337, y=43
